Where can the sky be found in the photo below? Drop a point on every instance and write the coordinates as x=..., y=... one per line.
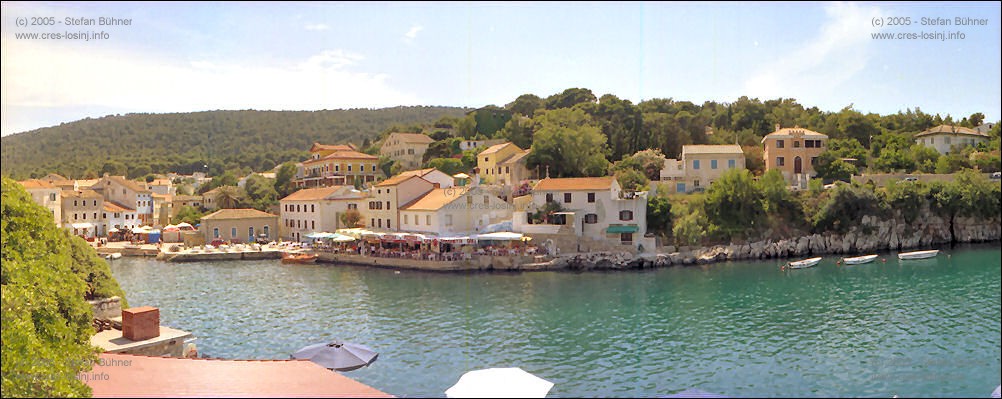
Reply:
x=183, y=57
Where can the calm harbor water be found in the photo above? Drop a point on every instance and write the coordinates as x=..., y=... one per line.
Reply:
x=913, y=328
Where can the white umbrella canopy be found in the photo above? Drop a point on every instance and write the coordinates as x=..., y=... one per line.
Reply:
x=511, y=382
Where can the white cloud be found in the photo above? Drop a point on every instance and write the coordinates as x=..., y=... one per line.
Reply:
x=412, y=33
x=68, y=76
x=316, y=27
x=834, y=56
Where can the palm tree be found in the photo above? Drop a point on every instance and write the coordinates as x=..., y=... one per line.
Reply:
x=229, y=197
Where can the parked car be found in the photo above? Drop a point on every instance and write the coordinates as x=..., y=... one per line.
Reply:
x=997, y=175
x=911, y=178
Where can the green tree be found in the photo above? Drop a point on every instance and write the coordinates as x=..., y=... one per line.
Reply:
x=734, y=202
x=925, y=158
x=569, y=144
x=230, y=197
x=569, y=98
x=647, y=162
x=283, y=179
x=525, y=105
x=951, y=163
x=659, y=219
x=976, y=119
x=691, y=228
x=836, y=170
x=187, y=214
x=225, y=179
x=46, y=324
x=449, y=166
x=519, y=130
x=115, y=168
x=260, y=192
x=351, y=218
x=776, y=197
x=632, y=179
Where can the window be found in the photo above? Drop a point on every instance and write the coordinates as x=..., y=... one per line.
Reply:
x=814, y=161
x=780, y=144
x=817, y=143
x=591, y=218
x=730, y=164
x=52, y=197
x=313, y=224
x=380, y=223
x=625, y=215
x=407, y=219
x=215, y=232
x=448, y=220
x=427, y=220
x=250, y=232
x=372, y=222
x=932, y=140
x=695, y=164
x=485, y=159
x=337, y=167
x=410, y=151
x=387, y=204
x=233, y=232
x=388, y=223
x=74, y=216
x=626, y=238
x=567, y=198
x=780, y=161
x=352, y=206
x=506, y=170
x=85, y=216
x=349, y=167
x=297, y=207
x=946, y=140
x=808, y=143
x=373, y=168
x=487, y=200
x=713, y=164
x=266, y=231
x=591, y=197
x=95, y=215
x=695, y=183
x=549, y=197
x=104, y=216
x=796, y=143
x=74, y=202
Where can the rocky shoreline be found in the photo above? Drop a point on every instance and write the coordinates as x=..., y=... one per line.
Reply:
x=873, y=235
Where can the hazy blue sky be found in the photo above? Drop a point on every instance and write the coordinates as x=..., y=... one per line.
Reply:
x=308, y=56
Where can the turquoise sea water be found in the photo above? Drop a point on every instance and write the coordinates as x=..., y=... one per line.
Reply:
x=913, y=328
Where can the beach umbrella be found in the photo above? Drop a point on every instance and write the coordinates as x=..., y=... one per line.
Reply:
x=342, y=238
x=695, y=393
x=337, y=355
x=113, y=230
x=511, y=382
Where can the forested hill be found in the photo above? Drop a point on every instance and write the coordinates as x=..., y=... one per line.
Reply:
x=184, y=142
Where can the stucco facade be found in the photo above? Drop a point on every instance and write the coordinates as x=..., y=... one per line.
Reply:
x=317, y=210
x=794, y=152
x=406, y=148
x=944, y=138
x=239, y=225
x=381, y=211
x=454, y=211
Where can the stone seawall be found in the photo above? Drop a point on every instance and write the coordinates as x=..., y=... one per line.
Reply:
x=872, y=235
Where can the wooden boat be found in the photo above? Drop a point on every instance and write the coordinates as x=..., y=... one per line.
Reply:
x=918, y=254
x=803, y=264
x=859, y=260
x=299, y=258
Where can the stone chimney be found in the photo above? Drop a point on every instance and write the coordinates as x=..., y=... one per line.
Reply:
x=778, y=127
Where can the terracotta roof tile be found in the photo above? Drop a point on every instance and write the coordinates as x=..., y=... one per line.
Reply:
x=413, y=138
x=712, y=149
x=312, y=194
x=335, y=147
x=129, y=184
x=110, y=206
x=244, y=213
x=35, y=183
x=575, y=184
x=86, y=193
x=951, y=130
x=418, y=173
x=517, y=157
x=495, y=148
x=788, y=131
x=396, y=180
x=433, y=200
x=145, y=376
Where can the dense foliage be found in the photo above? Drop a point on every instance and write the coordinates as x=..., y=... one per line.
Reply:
x=137, y=144
x=46, y=277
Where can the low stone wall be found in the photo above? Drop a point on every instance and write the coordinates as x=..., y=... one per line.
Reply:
x=106, y=308
x=214, y=256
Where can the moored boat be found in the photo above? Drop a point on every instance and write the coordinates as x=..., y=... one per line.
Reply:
x=113, y=256
x=918, y=254
x=299, y=258
x=859, y=260
x=803, y=264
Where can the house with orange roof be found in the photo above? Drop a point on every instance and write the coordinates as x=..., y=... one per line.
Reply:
x=135, y=376
x=498, y=164
x=239, y=225
x=81, y=212
x=454, y=211
x=406, y=148
x=312, y=210
x=794, y=152
x=118, y=217
x=336, y=165
x=47, y=195
x=944, y=138
x=381, y=211
x=128, y=193
x=592, y=207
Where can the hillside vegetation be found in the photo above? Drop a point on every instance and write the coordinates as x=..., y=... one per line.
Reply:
x=184, y=142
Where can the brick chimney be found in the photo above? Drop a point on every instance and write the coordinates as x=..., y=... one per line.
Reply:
x=778, y=126
x=141, y=323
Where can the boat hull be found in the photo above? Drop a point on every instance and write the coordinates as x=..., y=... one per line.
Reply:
x=300, y=258
x=918, y=254
x=859, y=260
x=803, y=264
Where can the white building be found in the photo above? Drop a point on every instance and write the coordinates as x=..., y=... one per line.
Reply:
x=700, y=166
x=594, y=207
x=471, y=144
x=944, y=138
x=47, y=195
x=433, y=175
x=381, y=211
x=314, y=210
x=454, y=211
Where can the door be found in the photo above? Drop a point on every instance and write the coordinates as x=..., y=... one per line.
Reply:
x=798, y=165
x=680, y=187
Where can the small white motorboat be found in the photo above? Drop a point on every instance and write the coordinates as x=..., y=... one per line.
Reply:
x=918, y=254
x=803, y=264
x=859, y=260
x=113, y=256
